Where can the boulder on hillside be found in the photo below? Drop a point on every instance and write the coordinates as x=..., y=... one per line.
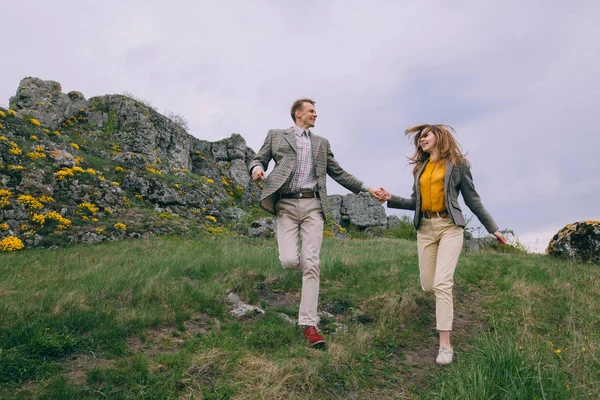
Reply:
x=360, y=209
x=45, y=101
x=579, y=241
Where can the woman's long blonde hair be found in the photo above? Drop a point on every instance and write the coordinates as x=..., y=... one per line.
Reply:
x=447, y=146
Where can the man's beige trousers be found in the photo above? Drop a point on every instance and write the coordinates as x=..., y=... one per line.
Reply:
x=302, y=219
x=439, y=243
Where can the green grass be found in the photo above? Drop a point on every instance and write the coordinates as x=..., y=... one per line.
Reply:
x=148, y=319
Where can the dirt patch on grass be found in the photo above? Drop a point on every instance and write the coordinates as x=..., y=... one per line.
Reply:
x=169, y=338
x=79, y=365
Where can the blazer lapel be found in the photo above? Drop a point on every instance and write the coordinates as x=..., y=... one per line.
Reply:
x=314, y=145
x=290, y=136
x=449, y=167
x=417, y=186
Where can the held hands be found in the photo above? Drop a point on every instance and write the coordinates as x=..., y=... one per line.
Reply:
x=380, y=194
x=258, y=173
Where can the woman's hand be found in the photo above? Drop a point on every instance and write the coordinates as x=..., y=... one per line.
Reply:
x=500, y=237
x=383, y=195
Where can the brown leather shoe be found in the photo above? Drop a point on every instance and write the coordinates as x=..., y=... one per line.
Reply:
x=313, y=337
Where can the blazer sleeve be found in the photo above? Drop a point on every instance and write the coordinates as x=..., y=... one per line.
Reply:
x=264, y=155
x=473, y=201
x=340, y=176
x=404, y=203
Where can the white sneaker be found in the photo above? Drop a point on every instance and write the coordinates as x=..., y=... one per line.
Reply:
x=445, y=355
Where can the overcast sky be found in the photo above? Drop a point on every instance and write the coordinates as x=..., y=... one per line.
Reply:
x=518, y=80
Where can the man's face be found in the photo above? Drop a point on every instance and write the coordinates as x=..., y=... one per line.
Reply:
x=306, y=116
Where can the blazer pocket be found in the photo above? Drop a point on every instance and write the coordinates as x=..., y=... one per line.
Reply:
x=455, y=204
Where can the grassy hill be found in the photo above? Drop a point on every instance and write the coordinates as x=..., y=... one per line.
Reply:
x=148, y=319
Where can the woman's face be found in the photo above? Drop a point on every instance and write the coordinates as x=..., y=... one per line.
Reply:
x=428, y=142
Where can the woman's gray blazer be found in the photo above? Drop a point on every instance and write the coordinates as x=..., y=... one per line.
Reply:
x=457, y=180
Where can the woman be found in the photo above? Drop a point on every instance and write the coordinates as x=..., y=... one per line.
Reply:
x=441, y=172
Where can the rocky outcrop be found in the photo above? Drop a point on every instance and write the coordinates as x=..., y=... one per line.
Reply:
x=579, y=241
x=110, y=167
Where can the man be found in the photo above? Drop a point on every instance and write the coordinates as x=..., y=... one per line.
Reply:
x=295, y=191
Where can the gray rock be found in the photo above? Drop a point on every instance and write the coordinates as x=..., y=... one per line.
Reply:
x=45, y=102
x=262, y=228
x=234, y=213
x=91, y=237
x=238, y=172
x=579, y=241
x=393, y=222
x=363, y=211
x=287, y=319
x=239, y=309
x=62, y=158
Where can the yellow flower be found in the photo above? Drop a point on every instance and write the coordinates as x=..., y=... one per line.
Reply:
x=75, y=146
x=4, y=226
x=115, y=183
x=11, y=243
x=5, y=192
x=3, y=138
x=15, y=150
x=2, y=114
x=1, y=126
x=211, y=218
x=120, y=226
x=46, y=130
x=557, y=351
x=12, y=113
x=119, y=169
x=34, y=121
x=57, y=133
x=33, y=137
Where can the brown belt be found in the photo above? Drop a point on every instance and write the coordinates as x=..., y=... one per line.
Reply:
x=300, y=195
x=430, y=214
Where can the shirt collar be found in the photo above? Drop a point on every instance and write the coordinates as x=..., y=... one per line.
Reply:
x=298, y=131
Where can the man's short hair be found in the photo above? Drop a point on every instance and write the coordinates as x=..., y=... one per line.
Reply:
x=298, y=106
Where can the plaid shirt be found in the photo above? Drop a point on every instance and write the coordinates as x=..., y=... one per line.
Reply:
x=304, y=175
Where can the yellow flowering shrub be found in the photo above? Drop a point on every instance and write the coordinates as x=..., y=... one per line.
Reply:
x=3, y=139
x=36, y=155
x=33, y=137
x=120, y=226
x=114, y=183
x=99, y=231
x=30, y=202
x=15, y=167
x=119, y=169
x=41, y=219
x=5, y=193
x=57, y=133
x=11, y=243
x=12, y=113
x=2, y=114
x=1, y=126
x=87, y=208
x=211, y=218
x=34, y=121
x=46, y=130
x=152, y=170
x=75, y=146
x=3, y=226
x=15, y=150
x=224, y=181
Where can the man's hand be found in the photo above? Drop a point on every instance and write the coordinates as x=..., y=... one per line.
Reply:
x=258, y=173
x=378, y=193
x=499, y=237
